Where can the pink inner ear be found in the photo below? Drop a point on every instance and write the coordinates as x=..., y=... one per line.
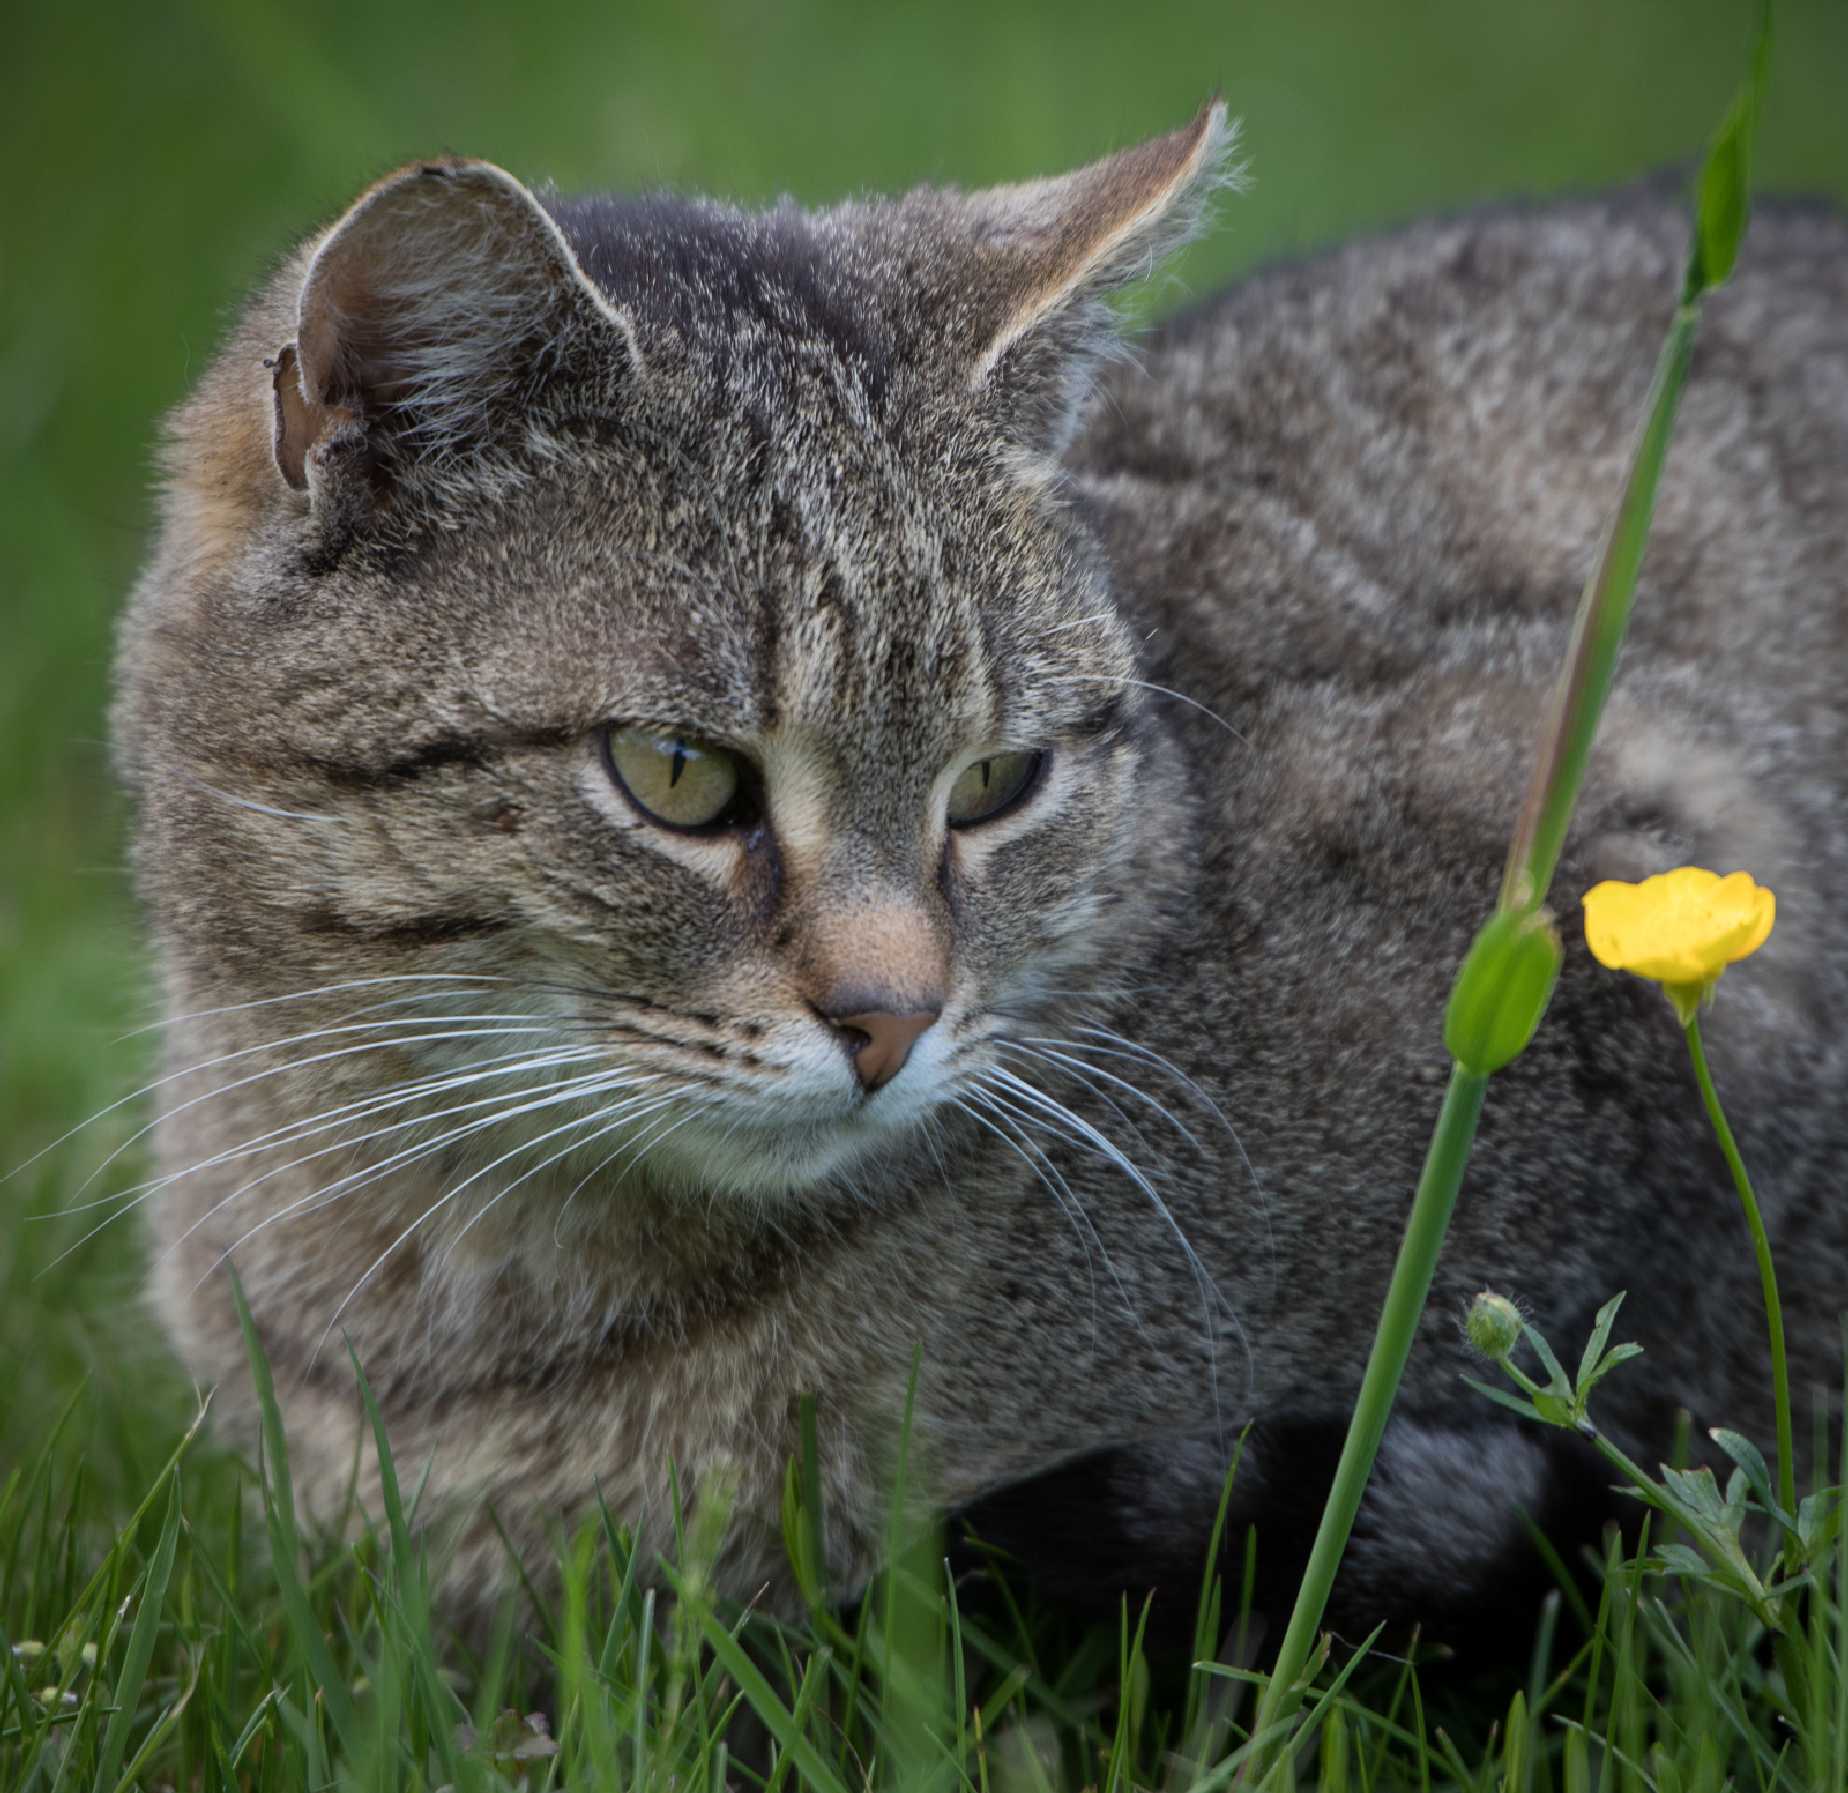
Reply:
x=301, y=422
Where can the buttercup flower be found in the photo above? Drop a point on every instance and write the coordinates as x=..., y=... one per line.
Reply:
x=1681, y=928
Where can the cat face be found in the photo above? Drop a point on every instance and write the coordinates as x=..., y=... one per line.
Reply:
x=904, y=777
x=685, y=688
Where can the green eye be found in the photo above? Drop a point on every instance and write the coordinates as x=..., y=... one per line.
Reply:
x=675, y=780
x=991, y=786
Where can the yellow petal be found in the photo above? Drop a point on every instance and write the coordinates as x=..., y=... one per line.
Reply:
x=1680, y=927
x=1764, y=907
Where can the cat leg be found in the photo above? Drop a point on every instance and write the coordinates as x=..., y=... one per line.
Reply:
x=1443, y=1540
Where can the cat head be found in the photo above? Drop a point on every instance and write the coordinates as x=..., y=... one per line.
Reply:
x=653, y=633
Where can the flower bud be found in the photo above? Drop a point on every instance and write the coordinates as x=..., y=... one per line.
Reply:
x=1493, y=1325
x=1502, y=989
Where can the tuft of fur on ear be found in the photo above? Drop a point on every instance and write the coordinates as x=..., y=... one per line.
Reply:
x=1049, y=252
x=445, y=297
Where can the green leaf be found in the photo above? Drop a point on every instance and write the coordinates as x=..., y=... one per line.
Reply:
x=286, y=1547
x=158, y=1733
x=1724, y=193
x=1753, y=1467
x=1723, y=206
x=1501, y=1397
x=1502, y=989
x=1556, y=1410
x=1612, y=1358
x=1594, y=1346
x=141, y=1642
x=1555, y=1376
x=412, y=1608
x=1697, y=1492
x=778, y=1719
x=1819, y=1518
x=1679, y=1559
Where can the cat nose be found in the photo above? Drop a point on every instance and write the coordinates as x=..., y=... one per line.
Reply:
x=878, y=1043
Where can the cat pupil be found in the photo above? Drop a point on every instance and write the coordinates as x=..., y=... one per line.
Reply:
x=679, y=765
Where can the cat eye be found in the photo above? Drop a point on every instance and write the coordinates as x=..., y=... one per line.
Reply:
x=991, y=787
x=678, y=781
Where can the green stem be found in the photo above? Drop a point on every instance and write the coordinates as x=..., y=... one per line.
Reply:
x=1767, y=1274
x=1392, y=1344
x=1648, y=1488
x=1597, y=635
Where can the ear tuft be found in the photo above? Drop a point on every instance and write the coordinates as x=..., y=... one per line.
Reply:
x=444, y=296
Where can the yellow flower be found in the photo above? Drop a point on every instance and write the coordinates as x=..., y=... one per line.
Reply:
x=1681, y=929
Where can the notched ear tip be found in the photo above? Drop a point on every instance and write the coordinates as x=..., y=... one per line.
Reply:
x=452, y=170
x=471, y=185
x=428, y=169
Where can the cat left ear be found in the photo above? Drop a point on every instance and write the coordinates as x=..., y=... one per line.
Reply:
x=438, y=304
x=1049, y=252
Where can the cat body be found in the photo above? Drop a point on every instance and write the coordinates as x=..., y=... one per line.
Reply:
x=1014, y=1033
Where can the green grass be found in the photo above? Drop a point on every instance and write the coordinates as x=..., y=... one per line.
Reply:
x=159, y=159
x=210, y=1645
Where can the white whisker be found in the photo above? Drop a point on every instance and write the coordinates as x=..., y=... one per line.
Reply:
x=603, y=1164
x=640, y=1148
x=134, y=1198
x=1119, y=1046
x=436, y=1207
x=1111, y=678
x=351, y=983
x=296, y=1064
x=436, y=1083
x=250, y=803
x=1116, y=1045
x=626, y=1114
x=1060, y=1119
x=592, y=1081
x=933, y=1137
x=1008, y=1131
x=1084, y=1073
x=327, y=1194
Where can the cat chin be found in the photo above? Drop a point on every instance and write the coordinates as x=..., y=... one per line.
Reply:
x=757, y=1164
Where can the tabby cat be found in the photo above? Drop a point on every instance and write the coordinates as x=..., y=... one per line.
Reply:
x=732, y=803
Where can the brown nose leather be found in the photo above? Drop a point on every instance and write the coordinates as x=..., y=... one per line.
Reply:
x=879, y=1043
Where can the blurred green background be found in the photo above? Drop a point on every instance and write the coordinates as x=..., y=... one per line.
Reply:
x=160, y=157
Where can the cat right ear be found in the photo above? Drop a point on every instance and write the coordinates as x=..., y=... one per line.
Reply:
x=438, y=306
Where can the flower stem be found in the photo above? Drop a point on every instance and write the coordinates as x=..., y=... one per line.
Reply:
x=1767, y=1274
x=1392, y=1344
